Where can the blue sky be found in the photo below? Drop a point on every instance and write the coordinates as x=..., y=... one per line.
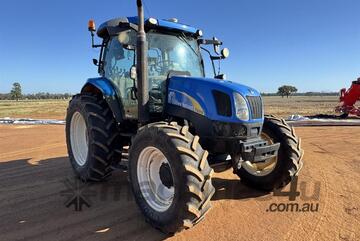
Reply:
x=312, y=44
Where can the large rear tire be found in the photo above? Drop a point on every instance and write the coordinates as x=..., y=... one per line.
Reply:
x=279, y=171
x=91, y=136
x=170, y=176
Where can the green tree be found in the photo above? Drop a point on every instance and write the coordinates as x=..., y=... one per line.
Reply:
x=16, y=91
x=286, y=90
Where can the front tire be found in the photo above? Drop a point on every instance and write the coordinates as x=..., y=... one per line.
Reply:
x=91, y=136
x=278, y=172
x=170, y=176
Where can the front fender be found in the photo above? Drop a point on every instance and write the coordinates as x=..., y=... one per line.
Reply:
x=109, y=92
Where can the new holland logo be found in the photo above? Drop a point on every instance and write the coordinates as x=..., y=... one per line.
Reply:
x=252, y=92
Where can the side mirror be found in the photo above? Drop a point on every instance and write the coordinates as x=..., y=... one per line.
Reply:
x=216, y=46
x=95, y=62
x=133, y=72
x=225, y=52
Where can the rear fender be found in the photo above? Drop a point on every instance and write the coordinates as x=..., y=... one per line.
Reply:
x=107, y=89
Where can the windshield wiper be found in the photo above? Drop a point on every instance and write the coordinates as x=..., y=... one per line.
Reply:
x=183, y=38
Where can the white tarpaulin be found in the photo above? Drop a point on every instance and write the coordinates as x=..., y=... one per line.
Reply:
x=297, y=118
x=322, y=120
x=28, y=121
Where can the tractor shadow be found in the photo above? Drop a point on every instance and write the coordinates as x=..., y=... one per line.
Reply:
x=46, y=202
x=47, y=192
x=234, y=190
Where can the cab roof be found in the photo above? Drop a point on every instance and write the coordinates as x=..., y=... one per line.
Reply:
x=116, y=25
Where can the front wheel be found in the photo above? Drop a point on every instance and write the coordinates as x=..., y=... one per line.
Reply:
x=278, y=171
x=170, y=176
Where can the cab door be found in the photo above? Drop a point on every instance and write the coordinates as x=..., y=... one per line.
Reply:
x=117, y=65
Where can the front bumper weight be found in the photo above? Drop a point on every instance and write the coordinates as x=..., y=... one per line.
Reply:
x=258, y=151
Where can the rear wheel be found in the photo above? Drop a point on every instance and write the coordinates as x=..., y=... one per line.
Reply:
x=278, y=171
x=92, y=137
x=170, y=176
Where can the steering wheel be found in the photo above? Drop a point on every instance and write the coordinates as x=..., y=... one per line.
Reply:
x=161, y=65
x=168, y=62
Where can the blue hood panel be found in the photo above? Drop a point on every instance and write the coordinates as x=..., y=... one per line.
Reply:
x=201, y=89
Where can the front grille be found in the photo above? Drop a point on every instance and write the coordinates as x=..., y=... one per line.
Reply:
x=256, y=106
x=223, y=103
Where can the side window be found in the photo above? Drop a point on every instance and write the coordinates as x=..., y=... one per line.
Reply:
x=117, y=63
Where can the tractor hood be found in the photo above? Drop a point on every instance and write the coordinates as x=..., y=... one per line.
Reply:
x=197, y=94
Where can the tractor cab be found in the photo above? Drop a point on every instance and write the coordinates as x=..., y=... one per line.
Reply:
x=173, y=49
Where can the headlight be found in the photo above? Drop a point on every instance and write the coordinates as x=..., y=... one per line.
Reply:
x=241, y=107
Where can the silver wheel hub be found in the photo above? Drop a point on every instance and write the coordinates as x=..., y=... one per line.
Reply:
x=261, y=168
x=155, y=178
x=79, y=138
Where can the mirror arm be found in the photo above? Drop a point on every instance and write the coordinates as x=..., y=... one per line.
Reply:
x=93, y=45
x=211, y=58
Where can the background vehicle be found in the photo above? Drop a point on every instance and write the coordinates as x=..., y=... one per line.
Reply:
x=348, y=99
x=176, y=121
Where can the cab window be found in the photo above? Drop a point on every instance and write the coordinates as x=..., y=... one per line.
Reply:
x=117, y=64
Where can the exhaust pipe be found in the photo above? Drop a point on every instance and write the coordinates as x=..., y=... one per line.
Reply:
x=142, y=68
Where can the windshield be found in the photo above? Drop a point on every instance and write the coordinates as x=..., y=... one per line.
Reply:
x=170, y=52
x=166, y=53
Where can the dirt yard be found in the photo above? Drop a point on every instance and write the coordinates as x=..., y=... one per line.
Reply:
x=34, y=166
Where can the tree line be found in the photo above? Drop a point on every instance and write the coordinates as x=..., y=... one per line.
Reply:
x=288, y=90
x=36, y=96
x=310, y=93
x=16, y=94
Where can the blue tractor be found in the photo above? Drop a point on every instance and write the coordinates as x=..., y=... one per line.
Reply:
x=153, y=97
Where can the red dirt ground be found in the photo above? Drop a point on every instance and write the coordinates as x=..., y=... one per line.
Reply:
x=34, y=164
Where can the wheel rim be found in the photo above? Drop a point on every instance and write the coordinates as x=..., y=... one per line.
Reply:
x=155, y=179
x=79, y=138
x=263, y=168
